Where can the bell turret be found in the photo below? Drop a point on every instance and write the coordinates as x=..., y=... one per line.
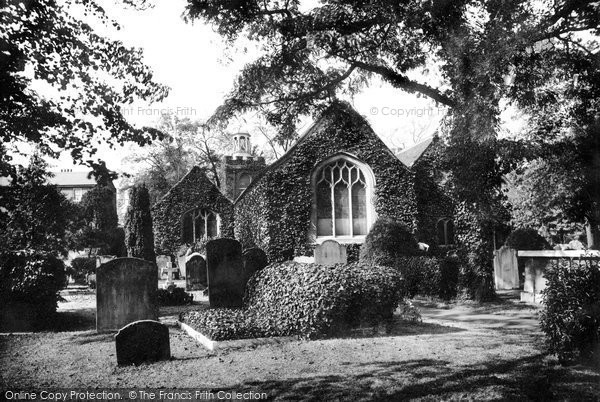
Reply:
x=241, y=167
x=241, y=145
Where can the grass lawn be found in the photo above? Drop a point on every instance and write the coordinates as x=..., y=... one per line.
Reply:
x=474, y=352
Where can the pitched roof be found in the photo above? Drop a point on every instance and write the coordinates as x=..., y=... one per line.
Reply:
x=410, y=155
x=197, y=172
x=66, y=179
x=335, y=107
x=72, y=179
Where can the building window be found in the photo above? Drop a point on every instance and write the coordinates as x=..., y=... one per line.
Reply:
x=445, y=230
x=78, y=194
x=200, y=224
x=342, y=201
x=243, y=182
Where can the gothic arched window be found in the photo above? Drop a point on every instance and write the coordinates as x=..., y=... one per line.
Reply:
x=200, y=224
x=342, y=199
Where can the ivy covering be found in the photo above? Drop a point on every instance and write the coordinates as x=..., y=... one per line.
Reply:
x=194, y=190
x=274, y=213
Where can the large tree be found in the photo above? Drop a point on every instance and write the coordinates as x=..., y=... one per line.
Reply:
x=36, y=216
x=488, y=51
x=185, y=144
x=62, y=85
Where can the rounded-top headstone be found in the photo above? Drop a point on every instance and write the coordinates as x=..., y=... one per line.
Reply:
x=142, y=341
x=330, y=252
x=196, y=276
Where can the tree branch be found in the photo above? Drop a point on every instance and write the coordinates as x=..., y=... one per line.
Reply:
x=403, y=82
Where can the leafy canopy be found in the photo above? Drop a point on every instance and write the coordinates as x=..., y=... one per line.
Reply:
x=62, y=85
x=310, y=55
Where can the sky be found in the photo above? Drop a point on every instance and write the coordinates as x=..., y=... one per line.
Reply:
x=194, y=62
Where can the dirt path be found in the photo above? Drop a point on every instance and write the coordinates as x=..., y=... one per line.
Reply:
x=463, y=352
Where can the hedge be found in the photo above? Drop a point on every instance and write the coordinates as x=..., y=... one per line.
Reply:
x=174, y=297
x=306, y=300
x=571, y=314
x=386, y=241
x=223, y=324
x=526, y=239
x=81, y=267
x=30, y=282
x=429, y=276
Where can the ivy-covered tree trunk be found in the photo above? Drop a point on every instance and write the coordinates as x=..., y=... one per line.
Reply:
x=475, y=234
x=139, y=238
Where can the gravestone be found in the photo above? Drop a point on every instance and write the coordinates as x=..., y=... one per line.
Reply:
x=535, y=281
x=196, y=278
x=225, y=273
x=254, y=260
x=142, y=341
x=170, y=270
x=330, y=252
x=101, y=259
x=181, y=264
x=162, y=261
x=506, y=268
x=125, y=292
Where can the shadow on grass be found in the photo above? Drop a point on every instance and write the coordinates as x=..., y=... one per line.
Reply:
x=167, y=311
x=83, y=338
x=400, y=327
x=529, y=378
x=74, y=320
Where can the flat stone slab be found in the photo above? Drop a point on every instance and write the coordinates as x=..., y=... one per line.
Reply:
x=142, y=341
x=234, y=343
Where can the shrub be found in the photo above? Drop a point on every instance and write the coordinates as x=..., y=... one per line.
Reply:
x=30, y=281
x=429, y=276
x=174, y=297
x=223, y=324
x=387, y=240
x=81, y=267
x=312, y=300
x=449, y=277
x=571, y=314
x=526, y=239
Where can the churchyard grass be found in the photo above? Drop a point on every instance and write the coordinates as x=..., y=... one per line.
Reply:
x=491, y=351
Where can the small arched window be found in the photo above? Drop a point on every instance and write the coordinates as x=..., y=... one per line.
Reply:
x=342, y=202
x=243, y=182
x=200, y=224
x=445, y=231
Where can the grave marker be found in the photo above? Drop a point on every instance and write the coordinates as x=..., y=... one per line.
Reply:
x=196, y=278
x=142, y=341
x=225, y=273
x=330, y=252
x=101, y=259
x=125, y=292
x=162, y=261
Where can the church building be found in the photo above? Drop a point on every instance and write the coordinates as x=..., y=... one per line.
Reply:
x=332, y=184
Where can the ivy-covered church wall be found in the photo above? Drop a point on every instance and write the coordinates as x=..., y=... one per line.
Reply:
x=274, y=213
x=193, y=191
x=432, y=200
